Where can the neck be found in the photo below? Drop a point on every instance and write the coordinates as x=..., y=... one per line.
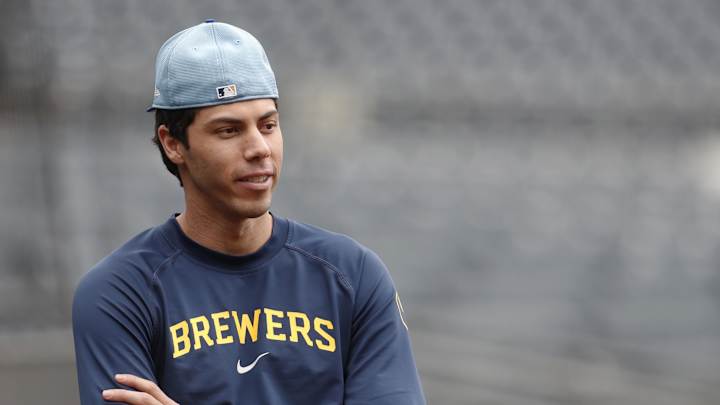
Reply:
x=237, y=237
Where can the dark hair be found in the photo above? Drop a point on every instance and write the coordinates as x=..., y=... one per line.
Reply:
x=177, y=122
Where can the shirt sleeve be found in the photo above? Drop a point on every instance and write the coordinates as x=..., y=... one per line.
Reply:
x=381, y=369
x=112, y=329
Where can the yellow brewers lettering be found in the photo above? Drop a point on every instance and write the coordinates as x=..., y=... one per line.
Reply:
x=200, y=333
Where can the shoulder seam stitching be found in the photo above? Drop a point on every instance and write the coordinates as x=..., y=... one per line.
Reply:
x=172, y=256
x=156, y=281
x=157, y=269
x=332, y=267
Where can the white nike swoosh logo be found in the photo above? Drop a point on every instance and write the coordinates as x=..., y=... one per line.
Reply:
x=243, y=370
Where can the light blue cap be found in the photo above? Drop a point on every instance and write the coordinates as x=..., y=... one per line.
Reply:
x=211, y=63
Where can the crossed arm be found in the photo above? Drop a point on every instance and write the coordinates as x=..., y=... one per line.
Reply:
x=148, y=393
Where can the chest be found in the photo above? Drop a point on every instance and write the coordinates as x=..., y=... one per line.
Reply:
x=258, y=335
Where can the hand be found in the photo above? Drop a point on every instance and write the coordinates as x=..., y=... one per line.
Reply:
x=148, y=393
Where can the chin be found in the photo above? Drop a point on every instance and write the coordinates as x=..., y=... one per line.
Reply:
x=255, y=214
x=255, y=210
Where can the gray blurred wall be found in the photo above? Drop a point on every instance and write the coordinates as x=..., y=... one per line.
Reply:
x=542, y=178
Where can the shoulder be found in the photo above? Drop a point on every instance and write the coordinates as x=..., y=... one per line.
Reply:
x=129, y=268
x=117, y=294
x=331, y=246
x=342, y=253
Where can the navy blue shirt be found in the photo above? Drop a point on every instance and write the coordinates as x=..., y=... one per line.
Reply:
x=312, y=317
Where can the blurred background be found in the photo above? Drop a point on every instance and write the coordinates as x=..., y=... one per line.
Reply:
x=542, y=178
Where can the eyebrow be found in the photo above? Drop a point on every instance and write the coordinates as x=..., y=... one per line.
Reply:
x=236, y=121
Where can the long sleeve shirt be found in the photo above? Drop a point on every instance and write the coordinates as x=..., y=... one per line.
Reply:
x=313, y=317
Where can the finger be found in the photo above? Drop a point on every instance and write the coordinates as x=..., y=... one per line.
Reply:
x=129, y=397
x=146, y=386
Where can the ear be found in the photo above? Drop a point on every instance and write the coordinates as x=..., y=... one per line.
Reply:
x=174, y=149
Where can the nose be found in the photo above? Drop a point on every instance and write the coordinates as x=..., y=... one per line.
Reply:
x=256, y=146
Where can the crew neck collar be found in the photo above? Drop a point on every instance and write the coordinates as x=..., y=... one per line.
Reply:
x=177, y=237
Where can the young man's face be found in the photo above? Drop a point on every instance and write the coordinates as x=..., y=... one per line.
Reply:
x=234, y=159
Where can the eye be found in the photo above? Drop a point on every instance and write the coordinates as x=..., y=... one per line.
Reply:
x=268, y=127
x=228, y=131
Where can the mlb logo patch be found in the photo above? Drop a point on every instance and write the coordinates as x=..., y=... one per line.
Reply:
x=226, y=91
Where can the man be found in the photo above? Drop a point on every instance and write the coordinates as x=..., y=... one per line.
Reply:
x=226, y=303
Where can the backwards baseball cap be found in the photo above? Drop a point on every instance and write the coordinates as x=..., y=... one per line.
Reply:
x=211, y=63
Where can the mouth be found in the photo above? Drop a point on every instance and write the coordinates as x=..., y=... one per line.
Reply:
x=254, y=179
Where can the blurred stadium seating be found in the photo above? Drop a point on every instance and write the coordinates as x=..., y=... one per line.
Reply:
x=542, y=177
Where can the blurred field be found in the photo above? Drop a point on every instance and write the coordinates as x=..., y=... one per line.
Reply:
x=541, y=177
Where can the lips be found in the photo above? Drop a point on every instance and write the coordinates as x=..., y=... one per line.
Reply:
x=254, y=179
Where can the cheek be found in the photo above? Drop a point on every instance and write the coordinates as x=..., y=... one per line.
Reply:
x=277, y=150
x=210, y=162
